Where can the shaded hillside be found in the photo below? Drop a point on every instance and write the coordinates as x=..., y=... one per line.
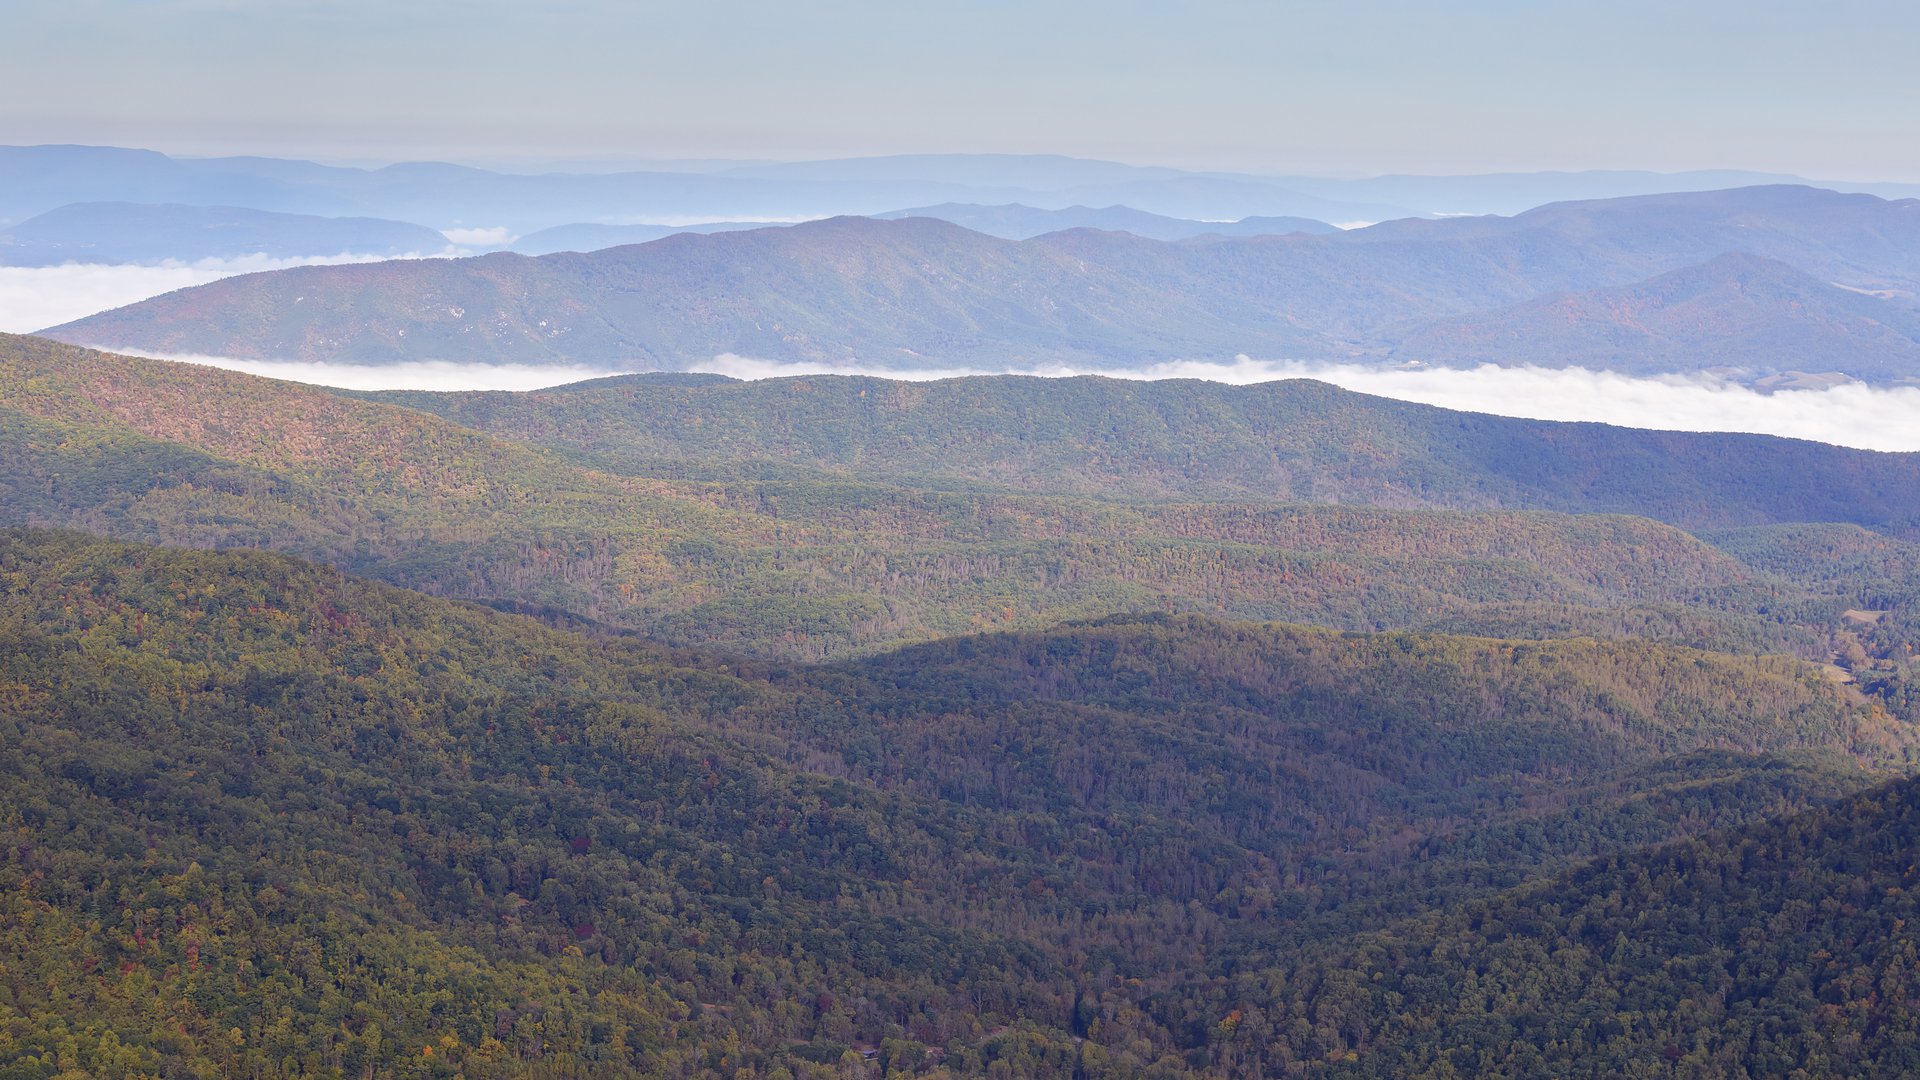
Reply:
x=1737, y=311
x=258, y=813
x=137, y=233
x=916, y=293
x=1180, y=439
x=1778, y=950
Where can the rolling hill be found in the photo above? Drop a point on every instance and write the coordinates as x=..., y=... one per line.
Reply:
x=899, y=294
x=183, y=455
x=1291, y=441
x=786, y=558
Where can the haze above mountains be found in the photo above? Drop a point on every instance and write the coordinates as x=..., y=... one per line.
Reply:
x=36, y=179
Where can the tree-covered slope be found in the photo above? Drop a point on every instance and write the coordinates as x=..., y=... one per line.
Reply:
x=1782, y=949
x=263, y=818
x=817, y=567
x=1295, y=440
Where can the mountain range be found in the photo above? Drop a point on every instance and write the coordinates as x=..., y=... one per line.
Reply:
x=36, y=179
x=669, y=725
x=1646, y=283
x=1009, y=222
x=902, y=293
x=844, y=727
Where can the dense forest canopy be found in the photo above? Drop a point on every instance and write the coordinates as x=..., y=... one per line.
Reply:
x=1293, y=441
x=266, y=818
x=685, y=728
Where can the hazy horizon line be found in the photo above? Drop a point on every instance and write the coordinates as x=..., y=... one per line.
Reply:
x=547, y=162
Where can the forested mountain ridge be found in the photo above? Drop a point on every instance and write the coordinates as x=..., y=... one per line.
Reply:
x=896, y=293
x=262, y=817
x=179, y=454
x=917, y=293
x=1291, y=441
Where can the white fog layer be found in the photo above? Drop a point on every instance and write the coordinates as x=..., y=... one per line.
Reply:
x=37, y=297
x=411, y=375
x=1852, y=415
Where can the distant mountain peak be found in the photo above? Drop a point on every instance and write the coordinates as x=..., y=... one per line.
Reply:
x=1738, y=310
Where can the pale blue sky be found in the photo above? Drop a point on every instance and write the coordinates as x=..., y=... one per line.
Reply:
x=1822, y=89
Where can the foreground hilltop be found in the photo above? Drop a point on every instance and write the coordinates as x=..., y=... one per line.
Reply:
x=261, y=816
x=917, y=293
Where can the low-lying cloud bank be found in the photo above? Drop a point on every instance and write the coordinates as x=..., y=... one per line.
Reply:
x=1852, y=415
x=498, y=236
x=411, y=375
x=36, y=297
x=33, y=298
